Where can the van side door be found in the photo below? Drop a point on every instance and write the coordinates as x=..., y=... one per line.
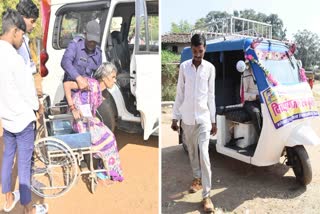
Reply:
x=145, y=65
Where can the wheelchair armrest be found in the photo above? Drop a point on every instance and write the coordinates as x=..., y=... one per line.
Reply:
x=61, y=117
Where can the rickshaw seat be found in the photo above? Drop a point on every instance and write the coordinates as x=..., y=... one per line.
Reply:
x=234, y=113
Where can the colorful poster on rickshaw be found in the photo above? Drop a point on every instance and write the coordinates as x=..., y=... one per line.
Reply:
x=289, y=103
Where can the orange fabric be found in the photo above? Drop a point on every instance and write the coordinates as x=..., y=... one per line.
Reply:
x=45, y=14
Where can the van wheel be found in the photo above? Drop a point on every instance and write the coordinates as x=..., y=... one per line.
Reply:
x=107, y=113
x=299, y=160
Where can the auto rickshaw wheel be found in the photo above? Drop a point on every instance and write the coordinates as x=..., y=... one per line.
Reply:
x=298, y=158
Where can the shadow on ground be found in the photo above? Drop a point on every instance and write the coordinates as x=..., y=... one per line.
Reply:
x=233, y=182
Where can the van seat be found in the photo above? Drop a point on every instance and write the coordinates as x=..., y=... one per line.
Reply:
x=120, y=51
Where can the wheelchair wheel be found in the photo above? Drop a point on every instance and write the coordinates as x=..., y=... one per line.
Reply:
x=54, y=168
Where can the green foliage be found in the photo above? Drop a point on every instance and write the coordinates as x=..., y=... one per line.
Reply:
x=153, y=25
x=308, y=48
x=170, y=62
x=169, y=57
x=182, y=27
x=200, y=22
x=4, y=4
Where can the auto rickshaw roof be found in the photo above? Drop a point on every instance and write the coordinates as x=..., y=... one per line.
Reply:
x=234, y=44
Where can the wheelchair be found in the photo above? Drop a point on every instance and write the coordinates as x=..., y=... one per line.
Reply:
x=58, y=159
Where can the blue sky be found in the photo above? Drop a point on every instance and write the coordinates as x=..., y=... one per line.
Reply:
x=296, y=15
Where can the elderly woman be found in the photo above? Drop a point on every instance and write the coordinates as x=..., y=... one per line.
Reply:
x=81, y=101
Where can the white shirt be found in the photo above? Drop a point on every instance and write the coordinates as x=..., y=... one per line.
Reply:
x=18, y=96
x=24, y=51
x=250, y=88
x=195, y=101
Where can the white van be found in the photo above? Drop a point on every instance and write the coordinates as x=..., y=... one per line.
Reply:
x=130, y=40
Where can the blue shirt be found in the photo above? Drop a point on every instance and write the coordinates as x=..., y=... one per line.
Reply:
x=24, y=51
x=77, y=62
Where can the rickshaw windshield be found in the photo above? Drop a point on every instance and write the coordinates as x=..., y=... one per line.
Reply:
x=284, y=71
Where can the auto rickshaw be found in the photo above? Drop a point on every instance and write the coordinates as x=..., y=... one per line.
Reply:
x=290, y=119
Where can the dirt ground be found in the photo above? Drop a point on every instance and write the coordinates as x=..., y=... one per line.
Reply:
x=237, y=187
x=138, y=193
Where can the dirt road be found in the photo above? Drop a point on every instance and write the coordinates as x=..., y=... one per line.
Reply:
x=138, y=193
x=237, y=187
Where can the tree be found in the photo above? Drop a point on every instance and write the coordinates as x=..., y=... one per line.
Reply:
x=153, y=25
x=277, y=26
x=4, y=4
x=278, y=31
x=182, y=27
x=169, y=74
x=308, y=48
x=200, y=22
x=218, y=17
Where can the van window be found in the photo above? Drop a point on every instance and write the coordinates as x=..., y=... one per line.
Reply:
x=71, y=22
x=153, y=33
x=116, y=23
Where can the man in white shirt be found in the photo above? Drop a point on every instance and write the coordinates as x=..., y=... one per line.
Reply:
x=195, y=106
x=18, y=101
x=251, y=97
x=30, y=14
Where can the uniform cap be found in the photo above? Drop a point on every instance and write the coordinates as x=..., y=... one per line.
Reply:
x=93, y=31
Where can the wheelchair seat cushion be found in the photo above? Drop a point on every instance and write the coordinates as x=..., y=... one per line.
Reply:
x=76, y=140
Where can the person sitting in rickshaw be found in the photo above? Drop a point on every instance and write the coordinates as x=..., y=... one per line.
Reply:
x=102, y=138
x=250, y=96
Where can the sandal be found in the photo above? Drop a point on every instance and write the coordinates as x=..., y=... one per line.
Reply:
x=41, y=208
x=16, y=195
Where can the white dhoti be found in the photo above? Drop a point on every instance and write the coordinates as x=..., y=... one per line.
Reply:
x=197, y=140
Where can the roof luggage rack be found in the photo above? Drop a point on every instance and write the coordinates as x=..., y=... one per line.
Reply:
x=235, y=27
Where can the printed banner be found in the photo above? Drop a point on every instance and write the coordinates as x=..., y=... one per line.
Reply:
x=289, y=103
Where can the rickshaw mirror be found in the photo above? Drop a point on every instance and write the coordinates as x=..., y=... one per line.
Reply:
x=241, y=66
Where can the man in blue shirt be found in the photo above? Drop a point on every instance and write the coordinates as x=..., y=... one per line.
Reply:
x=83, y=57
x=30, y=14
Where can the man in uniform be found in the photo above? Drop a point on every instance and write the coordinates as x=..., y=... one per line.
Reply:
x=251, y=97
x=83, y=57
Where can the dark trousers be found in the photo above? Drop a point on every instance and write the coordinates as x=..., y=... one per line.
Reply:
x=253, y=108
x=23, y=143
